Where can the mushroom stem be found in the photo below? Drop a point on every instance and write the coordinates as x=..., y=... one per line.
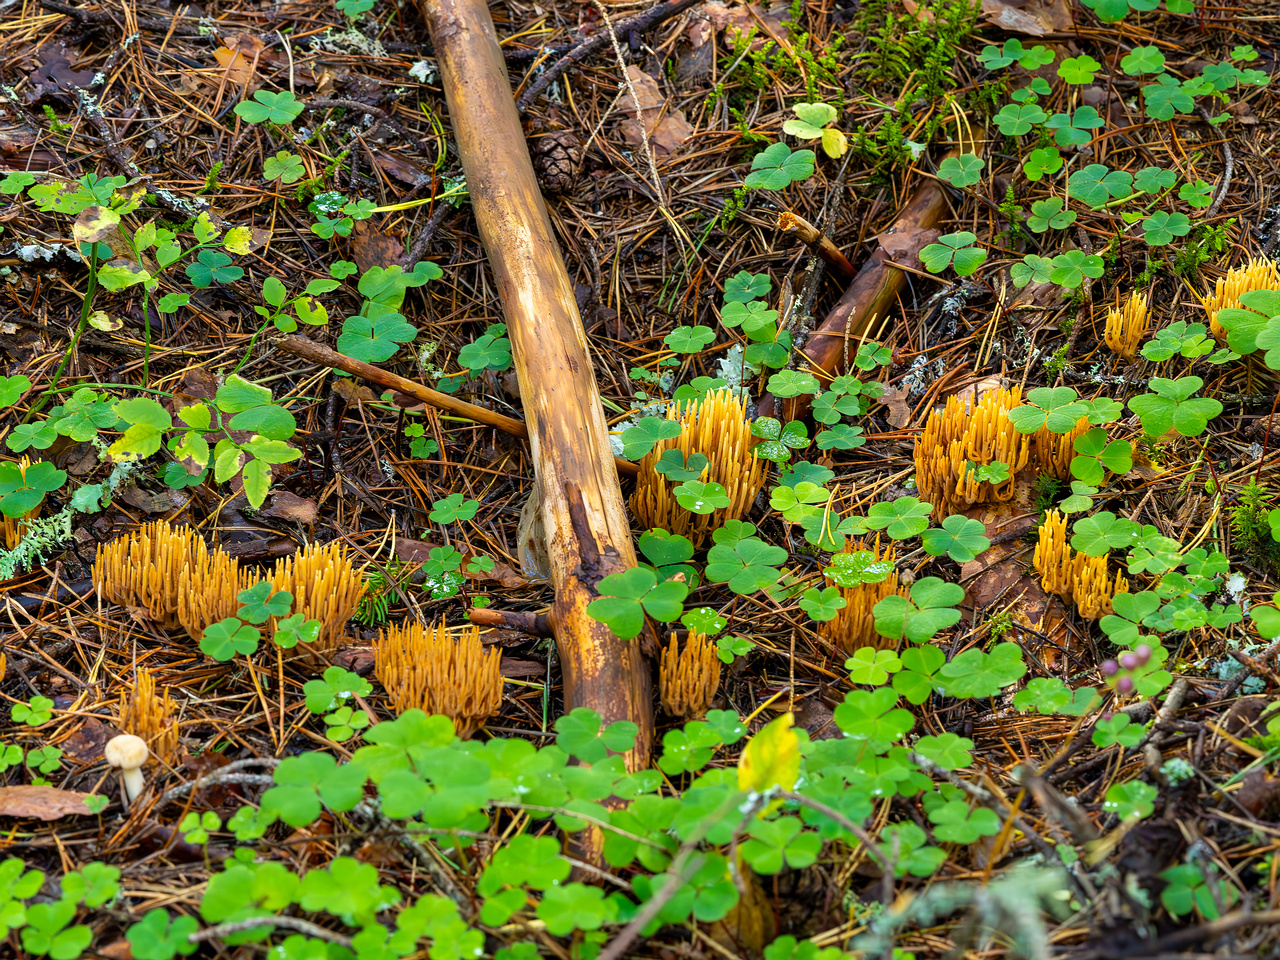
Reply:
x=134, y=781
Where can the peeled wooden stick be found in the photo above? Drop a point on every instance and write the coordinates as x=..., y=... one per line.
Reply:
x=588, y=531
x=871, y=294
x=319, y=353
x=818, y=242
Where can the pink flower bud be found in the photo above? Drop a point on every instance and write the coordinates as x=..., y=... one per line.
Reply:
x=1110, y=668
x=1129, y=661
x=1124, y=686
x=1144, y=654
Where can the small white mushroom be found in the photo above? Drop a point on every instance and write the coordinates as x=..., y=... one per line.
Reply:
x=128, y=753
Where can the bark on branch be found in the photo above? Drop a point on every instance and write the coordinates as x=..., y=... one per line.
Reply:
x=588, y=532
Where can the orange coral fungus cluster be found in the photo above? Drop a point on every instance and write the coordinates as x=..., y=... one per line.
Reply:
x=956, y=436
x=1126, y=326
x=1254, y=275
x=145, y=714
x=326, y=586
x=1055, y=451
x=718, y=428
x=426, y=668
x=854, y=625
x=170, y=572
x=1074, y=576
x=144, y=569
x=689, y=676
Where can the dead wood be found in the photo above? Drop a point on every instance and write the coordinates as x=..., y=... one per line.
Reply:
x=588, y=533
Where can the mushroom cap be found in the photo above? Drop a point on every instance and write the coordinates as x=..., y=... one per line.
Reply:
x=126, y=751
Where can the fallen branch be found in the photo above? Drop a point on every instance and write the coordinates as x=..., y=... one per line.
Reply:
x=871, y=294
x=637, y=24
x=318, y=353
x=818, y=242
x=588, y=532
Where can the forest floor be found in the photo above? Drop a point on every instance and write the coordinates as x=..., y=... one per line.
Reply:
x=262, y=154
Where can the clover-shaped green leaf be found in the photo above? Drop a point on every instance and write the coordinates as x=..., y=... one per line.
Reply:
x=1057, y=408
x=930, y=609
x=778, y=440
x=154, y=937
x=1117, y=728
x=1078, y=70
x=1161, y=227
x=1143, y=60
x=948, y=750
x=776, y=167
x=12, y=388
x=1095, y=184
x=645, y=435
x=1166, y=97
x=673, y=465
x=873, y=715
x=689, y=339
x=626, y=597
x=1049, y=215
x=871, y=666
x=701, y=497
x=954, y=822
x=962, y=171
x=224, y=639
x=281, y=108
x=488, y=352
x=1069, y=269
x=1041, y=161
x=1029, y=269
x=1015, y=119
x=22, y=491
x=582, y=733
x=454, y=508
x=1049, y=695
x=375, y=340
x=856, y=567
x=746, y=564
x=260, y=602
x=1095, y=456
x=1072, y=130
x=822, y=605
x=960, y=538
x=973, y=673
x=954, y=250
x=1171, y=407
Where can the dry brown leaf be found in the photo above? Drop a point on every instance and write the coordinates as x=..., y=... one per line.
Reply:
x=370, y=247
x=1008, y=17
x=403, y=170
x=41, y=803
x=290, y=506
x=87, y=744
x=895, y=398
x=238, y=58
x=667, y=129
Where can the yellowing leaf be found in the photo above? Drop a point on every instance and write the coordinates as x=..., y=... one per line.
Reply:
x=771, y=758
x=834, y=143
x=100, y=320
x=817, y=114
x=94, y=224
x=238, y=240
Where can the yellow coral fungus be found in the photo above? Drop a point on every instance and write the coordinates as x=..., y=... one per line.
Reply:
x=688, y=676
x=144, y=569
x=426, y=668
x=717, y=427
x=326, y=586
x=1257, y=274
x=854, y=625
x=1055, y=451
x=207, y=591
x=1126, y=326
x=957, y=436
x=145, y=714
x=1074, y=576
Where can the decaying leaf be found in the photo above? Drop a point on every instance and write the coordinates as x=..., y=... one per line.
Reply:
x=666, y=127
x=42, y=803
